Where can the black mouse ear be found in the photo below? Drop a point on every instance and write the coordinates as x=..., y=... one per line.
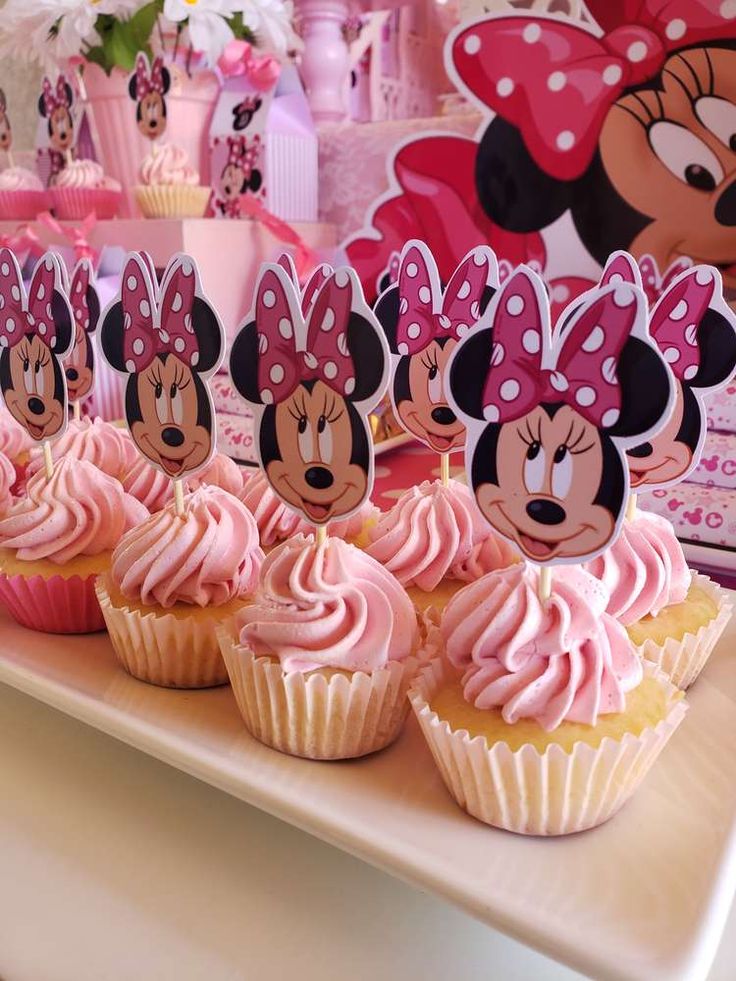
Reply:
x=646, y=389
x=244, y=364
x=209, y=336
x=256, y=179
x=368, y=356
x=41, y=106
x=111, y=337
x=716, y=339
x=93, y=305
x=469, y=370
x=69, y=94
x=133, y=87
x=166, y=79
x=386, y=310
x=62, y=317
x=488, y=293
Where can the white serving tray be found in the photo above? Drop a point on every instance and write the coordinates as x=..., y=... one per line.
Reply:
x=643, y=897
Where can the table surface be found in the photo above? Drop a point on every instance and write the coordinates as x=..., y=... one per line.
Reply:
x=116, y=866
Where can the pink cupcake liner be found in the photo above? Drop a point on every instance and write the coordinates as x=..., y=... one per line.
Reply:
x=22, y=205
x=75, y=203
x=53, y=606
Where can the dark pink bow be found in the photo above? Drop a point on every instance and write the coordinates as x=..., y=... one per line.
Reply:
x=55, y=100
x=675, y=319
x=579, y=369
x=82, y=278
x=238, y=59
x=76, y=235
x=425, y=312
x=655, y=283
x=314, y=283
x=32, y=314
x=293, y=348
x=555, y=81
x=147, y=81
x=242, y=153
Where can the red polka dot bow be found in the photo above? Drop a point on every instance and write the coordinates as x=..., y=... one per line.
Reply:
x=555, y=81
x=578, y=368
x=21, y=315
x=425, y=313
x=150, y=328
x=55, y=99
x=314, y=283
x=148, y=81
x=241, y=153
x=81, y=278
x=293, y=348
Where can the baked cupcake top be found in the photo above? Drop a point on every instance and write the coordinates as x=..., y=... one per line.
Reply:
x=206, y=557
x=108, y=447
x=79, y=511
x=14, y=439
x=276, y=522
x=435, y=532
x=328, y=606
x=87, y=174
x=154, y=489
x=644, y=570
x=7, y=479
x=565, y=659
x=20, y=179
x=168, y=164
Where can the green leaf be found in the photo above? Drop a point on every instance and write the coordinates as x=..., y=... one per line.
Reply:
x=239, y=29
x=141, y=24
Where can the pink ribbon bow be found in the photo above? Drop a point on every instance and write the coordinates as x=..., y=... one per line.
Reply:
x=425, y=313
x=283, y=362
x=55, y=100
x=81, y=278
x=305, y=258
x=241, y=154
x=146, y=82
x=149, y=329
x=76, y=235
x=655, y=283
x=555, y=81
x=23, y=241
x=238, y=59
x=675, y=319
x=520, y=375
x=21, y=315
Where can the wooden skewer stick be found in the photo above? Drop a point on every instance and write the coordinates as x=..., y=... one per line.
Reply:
x=321, y=534
x=445, y=469
x=179, y=498
x=631, y=507
x=77, y=410
x=545, y=583
x=48, y=461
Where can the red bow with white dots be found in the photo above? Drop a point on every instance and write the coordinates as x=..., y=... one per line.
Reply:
x=32, y=314
x=55, y=100
x=579, y=369
x=425, y=312
x=242, y=154
x=78, y=294
x=293, y=348
x=150, y=328
x=145, y=81
x=555, y=81
x=319, y=276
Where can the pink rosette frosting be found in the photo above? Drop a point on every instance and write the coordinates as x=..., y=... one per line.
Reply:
x=644, y=570
x=206, y=557
x=20, y=179
x=109, y=448
x=435, y=532
x=168, y=164
x=277, y=522
x=80, y=511
x=222, y=472
x=154, y=489
x=14, y=440
x=7, y=479
x=565, y=659
x=328, y=606
x=85, y=174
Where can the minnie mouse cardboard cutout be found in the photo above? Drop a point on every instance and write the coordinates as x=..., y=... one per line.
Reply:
x=549, y=417
x=35, y=336
x=423, y=325
x=168, y=342
x=55, y=108
x=147, y=87
x=85, y=304
x=317, y=278
x=312, y=379
x=6, y=132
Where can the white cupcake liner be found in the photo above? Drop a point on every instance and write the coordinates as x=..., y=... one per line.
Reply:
x=162, y=649
x=172, y=200
x=555, y=793
x=315, y=716
x=683, y=660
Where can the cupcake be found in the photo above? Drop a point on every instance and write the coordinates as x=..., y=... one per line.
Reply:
x=154, y=489
x=277, y=522
x=170, y=186
x=172, y=579
x=543, y=719
x=54, y=542
x=22, y=194
x=108, y=447
x=81, y=188
x=15, y=443
x=673, y=616
x=435, y=541
x=321, y=661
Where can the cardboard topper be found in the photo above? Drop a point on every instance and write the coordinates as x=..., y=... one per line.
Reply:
x=316, y=279
x=550, y=416
x=311, y=380
x=57, y=127
x=695, y=330
x=147, y=87
x=167, y=341
x=423, y=324
x=6, y=132
x=85, y=304
x=36, y=335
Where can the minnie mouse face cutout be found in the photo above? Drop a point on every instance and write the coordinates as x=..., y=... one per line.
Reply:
x=55, y=105
x=6, y=133
x=85, y=304
x=312, y=379
x=35, y=336
x=550, y=417
x=147, y=87
x=244, y=112
x=423, y=325
x=168, y=342
x=240, y=173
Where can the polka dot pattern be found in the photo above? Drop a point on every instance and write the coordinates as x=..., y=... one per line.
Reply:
x=22, y=313
x=675, y=319
x=82, y=287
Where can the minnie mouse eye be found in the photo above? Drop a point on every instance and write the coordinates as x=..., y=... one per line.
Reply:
x=685, y=155
x=534, y=467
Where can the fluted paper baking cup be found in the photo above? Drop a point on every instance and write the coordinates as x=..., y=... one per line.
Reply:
x=75, y=203
x=55, y=605
x=527, y=792
x=22, y=205
x=316, y=716
x=162, y=649
x=172, y=200
x=683, y=660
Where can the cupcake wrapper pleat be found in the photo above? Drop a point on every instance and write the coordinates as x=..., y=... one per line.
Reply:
x=75, y=203
x=22, y=205
x=172, y=200
x=554, y=793
x=55, y=605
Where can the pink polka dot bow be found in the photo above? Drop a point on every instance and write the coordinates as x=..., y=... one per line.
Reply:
x=148, y=81
x=578, y=367
x=55, y=99
x=81, y=278
x=425, y=313
x=315, y=281
x=21, y=315
x=151, y=329
x=644, y=272
x=241, y=153
x=555, y=81
x=293, y=348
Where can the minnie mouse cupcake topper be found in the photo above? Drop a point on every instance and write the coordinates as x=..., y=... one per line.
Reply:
x=6, y=131
x=147, y=87
x=55, y=106
x=85, y=305
x=312, y=376
x=316, y=279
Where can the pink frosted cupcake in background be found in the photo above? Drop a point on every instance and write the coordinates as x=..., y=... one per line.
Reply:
x=172, y=579
x=153, y=488
x=7, y=481
x=108, y=447
x=169, y=186
x=15, y=443
x=81, y=188
x=22, y=194
x=320, y=663
x=56, y=540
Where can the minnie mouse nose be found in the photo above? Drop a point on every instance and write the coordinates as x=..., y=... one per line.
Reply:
x=172, y=436
x=640, y=451
x=36, y=406
x=152, y=124
x=545, y=512
x=726, y=206
x=443, y=415
x=72, y=374
x=319, y=477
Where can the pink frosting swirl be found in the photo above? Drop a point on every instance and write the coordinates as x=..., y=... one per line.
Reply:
x=80, y=511
x=154, y=489
x=277, y=522
x=109, y=448
x=14, y=440
x=7, y=479
x=206, y=557
x=222, y=472
x=563, y=659
x=644, y=570
x=85, y=174
x=168, y=164
x=20, y=179
x=328, y=605
x=435, y=532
